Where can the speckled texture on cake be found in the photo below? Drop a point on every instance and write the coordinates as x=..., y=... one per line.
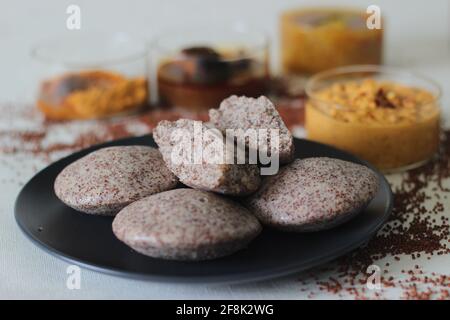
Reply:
x=186, y=224
x=105, y=181
x=250, y=113
x=313, y=194
x=225, y=178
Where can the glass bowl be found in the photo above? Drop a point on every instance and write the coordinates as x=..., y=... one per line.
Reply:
x=196, y=68
x=91, y=75
x=320, y=38
x=387, y=116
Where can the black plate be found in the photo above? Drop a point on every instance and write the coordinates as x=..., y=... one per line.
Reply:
x=88, y=240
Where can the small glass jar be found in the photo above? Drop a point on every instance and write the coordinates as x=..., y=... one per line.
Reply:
x=197, y=68
x=89, y=75
x=317, y=39
x=386, y=116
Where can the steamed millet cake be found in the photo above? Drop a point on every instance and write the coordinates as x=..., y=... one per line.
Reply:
x=224, y=176
x=105, y=181
x=250, y=113
x=185, y=224
x=313, y=194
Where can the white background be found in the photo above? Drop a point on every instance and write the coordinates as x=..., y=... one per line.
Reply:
x=417, y=38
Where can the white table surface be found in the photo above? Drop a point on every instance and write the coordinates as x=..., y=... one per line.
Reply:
x=418, y=38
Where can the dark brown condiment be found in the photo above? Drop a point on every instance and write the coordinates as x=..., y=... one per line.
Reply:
x=199, y=78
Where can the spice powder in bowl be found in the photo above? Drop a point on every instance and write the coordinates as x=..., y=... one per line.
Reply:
x=198, y=70
x=91, y=94
x=392, y=125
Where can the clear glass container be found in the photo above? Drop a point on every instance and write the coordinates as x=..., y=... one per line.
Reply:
x=387, y=116
x=88, y=75
x=320, y=38
x=196, y=68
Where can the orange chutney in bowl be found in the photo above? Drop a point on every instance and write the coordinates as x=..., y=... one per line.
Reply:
x=387, y=123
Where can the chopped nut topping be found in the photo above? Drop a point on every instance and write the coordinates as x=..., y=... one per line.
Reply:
x=382, y=101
